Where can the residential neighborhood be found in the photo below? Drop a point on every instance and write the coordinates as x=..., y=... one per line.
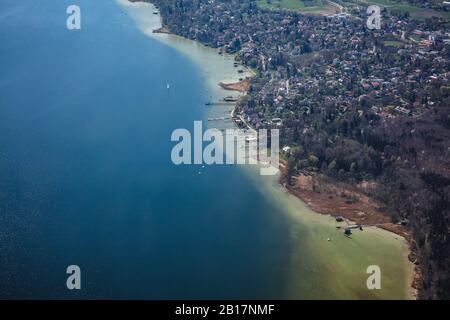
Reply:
x=355, y=103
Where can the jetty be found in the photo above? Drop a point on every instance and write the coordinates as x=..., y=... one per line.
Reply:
x=230, y=99
x=220, y=103
x=219, y=119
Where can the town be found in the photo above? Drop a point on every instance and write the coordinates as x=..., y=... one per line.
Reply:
x=358, y=105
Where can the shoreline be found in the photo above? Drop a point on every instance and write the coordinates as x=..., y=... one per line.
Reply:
x=320, y=194
x=353, y=213
x=316, y=204
x=240, y=86
x=162, y=30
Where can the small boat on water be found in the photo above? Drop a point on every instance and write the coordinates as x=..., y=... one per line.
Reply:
x=230, y=99
x=168, y=86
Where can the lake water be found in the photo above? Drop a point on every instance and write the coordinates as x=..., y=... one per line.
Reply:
x=86, y=176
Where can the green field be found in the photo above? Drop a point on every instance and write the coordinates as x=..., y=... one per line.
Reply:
x=304, y=6
x=414, y=11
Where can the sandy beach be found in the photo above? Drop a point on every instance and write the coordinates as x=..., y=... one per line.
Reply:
x=241, y=86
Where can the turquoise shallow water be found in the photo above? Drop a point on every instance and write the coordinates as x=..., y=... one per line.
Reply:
x=86, y=176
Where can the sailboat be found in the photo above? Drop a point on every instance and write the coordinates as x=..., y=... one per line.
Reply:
x=168, y=86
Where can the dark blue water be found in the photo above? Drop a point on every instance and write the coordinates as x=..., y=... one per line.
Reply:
x=86, y=176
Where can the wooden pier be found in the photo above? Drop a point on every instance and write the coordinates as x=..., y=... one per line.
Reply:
x=220, y=103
